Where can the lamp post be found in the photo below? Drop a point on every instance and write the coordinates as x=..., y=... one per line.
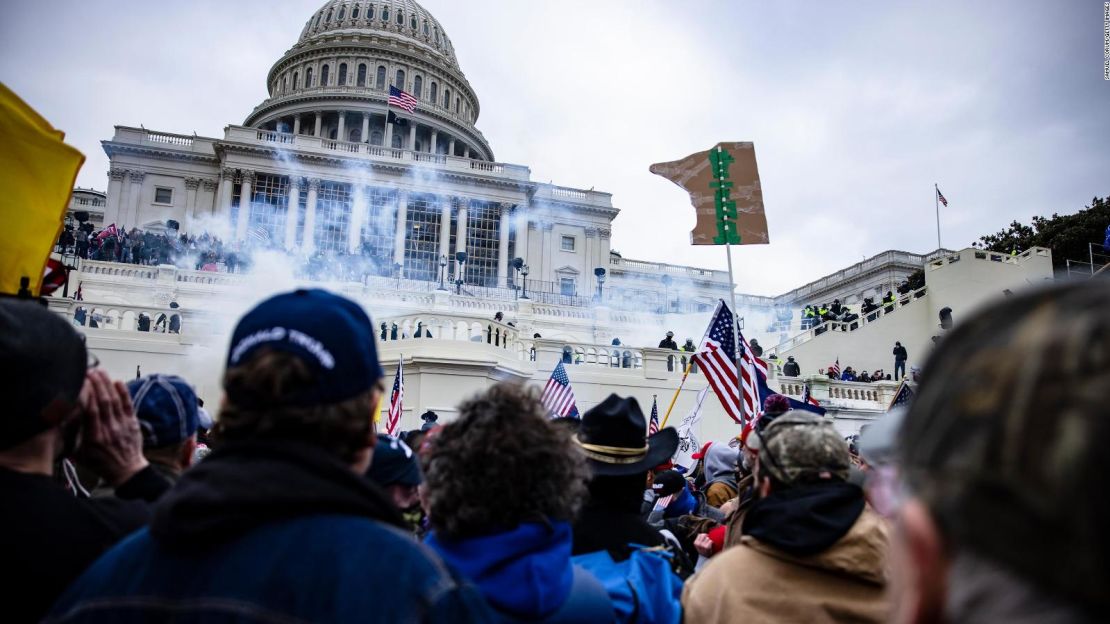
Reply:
x=517, y=263
x=460, y=272
x=442, y=272
x=524, y=282
x=599, y=273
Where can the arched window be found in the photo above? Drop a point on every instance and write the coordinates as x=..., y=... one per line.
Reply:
x=317, y=24
x=400, y=18
x=412, y=22
x=457, y=101
x=447, y=98
x=400, y=84
x=385, y=14
x=380, y=82
x=324, y=76
x=354, y=12
x=342, y=74
x=296, y=83
x=417, y=86
x=284, y=83
x=370, y=12
x=376, y=137
x=342, y=12
x=425, y=27
x=328, y=18
x=362, y=74
x=355, y=135
x=396, y=141
x=433, y=94
x=308, y=78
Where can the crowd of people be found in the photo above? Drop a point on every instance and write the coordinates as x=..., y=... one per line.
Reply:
x=126, y=502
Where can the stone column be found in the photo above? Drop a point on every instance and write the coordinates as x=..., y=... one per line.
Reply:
x=547, y=272
x=358, y=217
x=466, y=151
x=504, y=211
x=210, y=197
x=115, y=190
x=435, y=141
x=297, y=123
x=460, y=228
x=125, y=198
x=387, y=141
x=399, y=233
x=589, y=259
x=451, y=147
x=245, y=197
x=365, y=128
x=319, y=123
x=341, y=131
x=444, y=227
x=291, y=207
x=135, y=198
x=412, y=136
x=227, y=179
x=191, y=186
x=309, y=243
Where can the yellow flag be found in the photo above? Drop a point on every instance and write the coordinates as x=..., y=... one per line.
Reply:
x=37, y=172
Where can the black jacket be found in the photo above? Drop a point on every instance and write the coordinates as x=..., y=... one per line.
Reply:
x=611, y=518
x=668, y=343
x=900, y=353
x=791, y=369
x=48, y=536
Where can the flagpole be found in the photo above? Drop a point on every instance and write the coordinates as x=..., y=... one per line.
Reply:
x=936, y=200
x=689, y=365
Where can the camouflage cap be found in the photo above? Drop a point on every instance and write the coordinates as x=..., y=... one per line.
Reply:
x=800, y=447
x=1006, y=440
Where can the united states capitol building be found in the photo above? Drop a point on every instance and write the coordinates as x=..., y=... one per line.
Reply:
x=447, y=237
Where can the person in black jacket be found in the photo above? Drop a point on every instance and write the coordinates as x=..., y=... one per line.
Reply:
x=668, y=342
x=49, y=535
x=900, y=358
x=791, y=368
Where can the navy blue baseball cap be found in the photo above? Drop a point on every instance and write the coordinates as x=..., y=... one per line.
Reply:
x=394, y=463
x=332, y=335
x=166, y=407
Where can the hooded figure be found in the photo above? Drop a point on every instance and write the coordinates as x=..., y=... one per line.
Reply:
x=720, y=474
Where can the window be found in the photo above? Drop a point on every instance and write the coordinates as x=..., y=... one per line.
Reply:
x=400, y=79
x=417, y=86
x=317, y=24
x=400, y=18
x=433, y=93
x=376, y=137
x=425, y=27
x=457, y=100
x=308, y=77
x=354, y=12
x=370, y=12
x=333, y=216
x=342, y=12
x=447, y=98
x=568, y=243
x=268, y=206
x=566, y=286
x=362, y=74
x=284, y=84
x=324, y=76
x=483, y=233
x=395, y=142
x=342, y=74
x=296, y=84
x=385, y=14
x=377, y=235
x=380, y=82
x=412, y=22
x=328, y=18
x=422, y=239
x=163, y=195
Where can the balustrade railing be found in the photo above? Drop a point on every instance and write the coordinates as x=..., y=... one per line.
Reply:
x=121, y=317
x=809, y=332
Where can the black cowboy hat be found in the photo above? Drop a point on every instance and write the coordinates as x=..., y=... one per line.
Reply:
x=613, y=434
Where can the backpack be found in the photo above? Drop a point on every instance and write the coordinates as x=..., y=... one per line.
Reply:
x=643, y=588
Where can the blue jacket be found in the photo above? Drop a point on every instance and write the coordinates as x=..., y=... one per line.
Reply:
x=267, y=534
x=527, y=575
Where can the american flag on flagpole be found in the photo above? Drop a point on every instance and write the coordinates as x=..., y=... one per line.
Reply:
x=653, y=423
x=940, y=196
x=396, y=398
x=402, y=99
x=902, y=397
x=558, y=396
x=738, y=390
x=835, y=368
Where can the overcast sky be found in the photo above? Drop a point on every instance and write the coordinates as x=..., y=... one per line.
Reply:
x=855, y=108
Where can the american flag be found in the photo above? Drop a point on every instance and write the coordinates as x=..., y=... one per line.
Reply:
x=108, y=231
x=717, y=357
x=402, y=99
x=396, y=398
x=903, y=396
x=558, y=396
x=835, y=368
x=653, y=424
x=940, y=196
x=807, y=397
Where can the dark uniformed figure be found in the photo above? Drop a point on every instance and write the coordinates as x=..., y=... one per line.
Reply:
x=757, y=350
x=668, y=342
x=791, y=368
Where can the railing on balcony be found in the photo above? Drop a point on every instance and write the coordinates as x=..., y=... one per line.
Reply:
x=121, y=317
x=809, y=333
x=453, y=327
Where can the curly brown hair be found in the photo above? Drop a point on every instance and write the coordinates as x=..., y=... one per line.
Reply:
x=269, y=378
x=502, y=462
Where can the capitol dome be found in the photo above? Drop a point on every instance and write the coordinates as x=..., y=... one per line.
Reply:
x=334, y=82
